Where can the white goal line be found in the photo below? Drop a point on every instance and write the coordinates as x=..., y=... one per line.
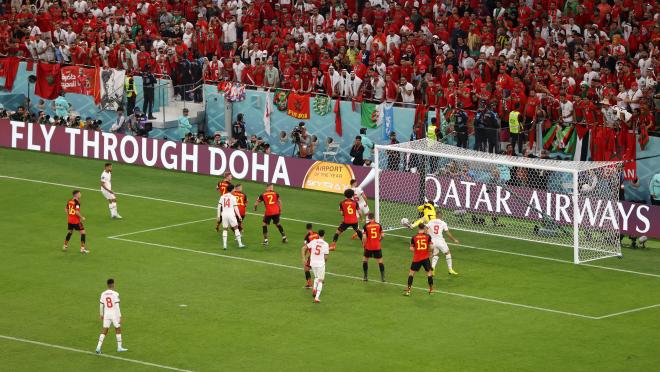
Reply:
x=66, y=348
x=325, y=224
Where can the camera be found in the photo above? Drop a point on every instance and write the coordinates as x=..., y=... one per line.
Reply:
x=296, y=132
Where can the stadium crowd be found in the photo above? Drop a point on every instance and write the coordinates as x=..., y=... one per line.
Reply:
x=566, y=61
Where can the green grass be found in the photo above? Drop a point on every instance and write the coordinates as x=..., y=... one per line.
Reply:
x=244, y=314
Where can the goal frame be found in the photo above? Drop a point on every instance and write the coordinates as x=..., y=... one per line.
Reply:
x=503, y=161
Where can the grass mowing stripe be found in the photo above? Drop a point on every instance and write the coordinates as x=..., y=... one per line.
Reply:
x=355, y=278
x=325, y=224
x=53, y=346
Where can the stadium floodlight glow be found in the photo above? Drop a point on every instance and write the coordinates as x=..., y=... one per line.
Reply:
x=564, y=203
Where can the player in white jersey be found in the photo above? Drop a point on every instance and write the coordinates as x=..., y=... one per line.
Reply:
x=106, y=190
x=110, y=314
x=435, y=228
x=361, y=199
x=229, y=216
x=318, y=255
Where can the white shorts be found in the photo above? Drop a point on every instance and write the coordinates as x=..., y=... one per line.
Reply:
x=107, y=194
x=229, y=221
x=364, y=209
x=114, y=320
x=319, y=272
x=439, y=244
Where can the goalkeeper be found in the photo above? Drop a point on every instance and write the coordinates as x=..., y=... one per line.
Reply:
x=428, y=213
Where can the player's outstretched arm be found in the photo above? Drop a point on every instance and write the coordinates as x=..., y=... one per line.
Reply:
x=449, y=234
x=238, y=213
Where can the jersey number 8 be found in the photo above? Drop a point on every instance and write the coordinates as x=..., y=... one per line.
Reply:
x=108, y=302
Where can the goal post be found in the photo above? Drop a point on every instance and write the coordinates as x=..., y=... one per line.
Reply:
x=563, y=203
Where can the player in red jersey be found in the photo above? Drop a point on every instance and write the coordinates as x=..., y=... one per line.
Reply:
x=305, y=253
x=75, y=220
x=420, y=245
x=371, y=237
x=273, y=205
x=351, y=212
x=224, y=184
x=241, y=199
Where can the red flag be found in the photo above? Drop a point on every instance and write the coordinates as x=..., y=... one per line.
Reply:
x=531, y=135
x=79, y=80
x=96, y=90
x=9, y=69
x=49, y=79
x=338, y=128
x=420, y=120
x=298, y=106
x=643, y=136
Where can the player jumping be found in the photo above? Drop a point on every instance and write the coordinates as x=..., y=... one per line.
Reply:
x=273, y=205
x=75, y=220
x=419, y=245
x=371, y=237
x=229, y=215
x=428, y=213
x=110, y=314
x=106, y=190
x=242, y=200
x=305, y=253
x=361, y=198
x=350, y=210
x=318, y=255
x=435, y=228
x=224, y=184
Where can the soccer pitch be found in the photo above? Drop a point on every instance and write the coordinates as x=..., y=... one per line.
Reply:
x=189, y=305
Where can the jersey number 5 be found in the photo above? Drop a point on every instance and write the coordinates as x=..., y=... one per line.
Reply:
x=108, y=302
x=373, y=233
x=317, y=251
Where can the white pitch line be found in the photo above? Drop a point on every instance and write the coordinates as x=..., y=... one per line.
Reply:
x=53, y=346
x=628, y=311
x=160, y=228
x=484, y=299
x=325, y=224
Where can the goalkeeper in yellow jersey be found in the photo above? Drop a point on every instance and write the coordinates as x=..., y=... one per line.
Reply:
x=428, y=213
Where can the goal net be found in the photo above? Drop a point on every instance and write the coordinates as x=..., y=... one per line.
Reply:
x=563, y=203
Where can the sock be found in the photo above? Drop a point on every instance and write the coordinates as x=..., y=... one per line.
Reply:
x=319, y=287
x=430, y=280
x=365, y=267
x=448, y=258
x=281, y=229
x=101, y=338
x=264, y=230
x=82, y=241
x=113, y=212
x=68, y=237
x=119, y=341
x=238, y=236
x=224, y=238
x=434, y=262
x=335, y=238
x=381, y=266
x=359, y=234
x=308, y=276
x=114, y=208
x=316, y=283
x=410, y=281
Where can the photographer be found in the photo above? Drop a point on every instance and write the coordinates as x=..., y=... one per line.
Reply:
x=138, y=123
x=120, y=124
x=238, y=132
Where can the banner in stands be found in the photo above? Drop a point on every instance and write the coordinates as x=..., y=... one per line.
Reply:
x=202, y=159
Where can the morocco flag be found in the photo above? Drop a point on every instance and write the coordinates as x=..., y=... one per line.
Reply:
x=48, y=84
x=298, y=106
